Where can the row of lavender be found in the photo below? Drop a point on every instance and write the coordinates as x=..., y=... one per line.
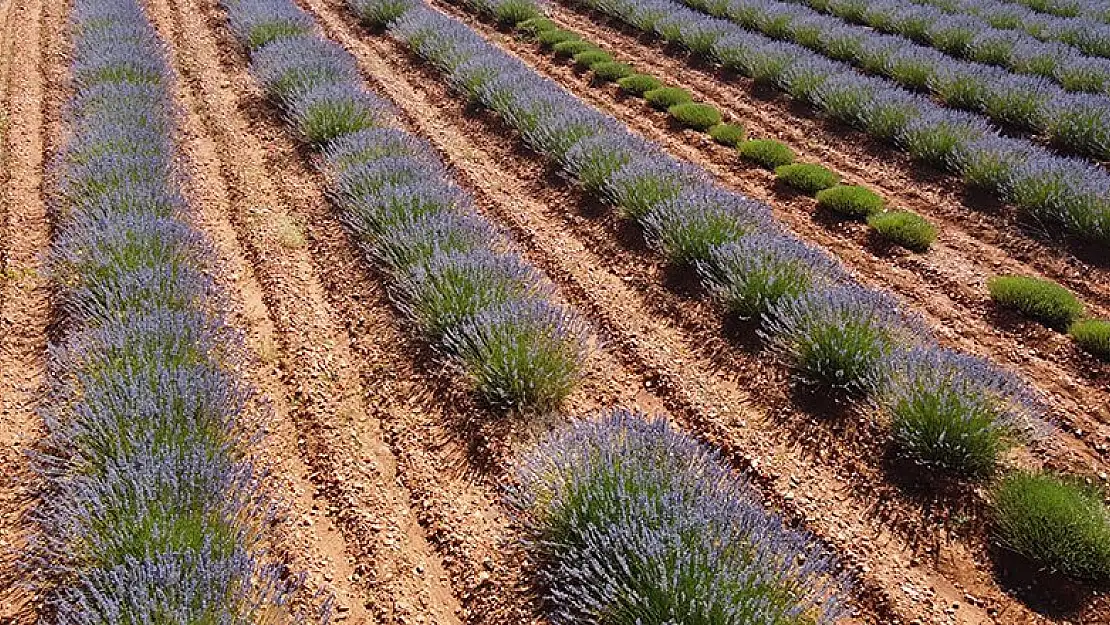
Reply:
x=968, y=38
x=1077, y=123
x=1090, y=34
x=1059, y=192
x=631, y=515
x=951, y=414
x=152, y=510
x=1068, y=8
x=989, y=31
x=477, y=302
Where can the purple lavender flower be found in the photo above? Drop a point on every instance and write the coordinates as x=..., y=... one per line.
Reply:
x=644, y=181
x=954, y=413
x=838, y=338
x=750, y=275
x=632, y=518
x=521, y=354
x=291, y=67
x=686, y=227
x=449, y=288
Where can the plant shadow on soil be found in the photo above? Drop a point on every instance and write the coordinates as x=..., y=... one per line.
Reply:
x=1046, y=592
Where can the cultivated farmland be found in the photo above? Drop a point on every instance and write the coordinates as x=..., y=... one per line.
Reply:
x=487, y=312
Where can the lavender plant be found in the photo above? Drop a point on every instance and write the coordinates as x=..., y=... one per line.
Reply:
x=449, y=288
x=521, y=354
x=838, y=338
x=635, y=522
x=753, y=273
x=687, y=227
x=954, y=414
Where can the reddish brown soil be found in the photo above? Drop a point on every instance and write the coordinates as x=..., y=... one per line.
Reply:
x=31, y=98
x=945, y=285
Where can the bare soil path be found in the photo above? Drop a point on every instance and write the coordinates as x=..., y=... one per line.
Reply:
x=32, y=48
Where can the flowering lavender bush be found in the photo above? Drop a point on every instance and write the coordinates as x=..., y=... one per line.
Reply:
x=259, y=22
x=329, y=111
x=449, y=288
x=688, y=226
x=635, y=523
x=521, y=354
x=953, y=413
x=838, y=338
x=755, y=272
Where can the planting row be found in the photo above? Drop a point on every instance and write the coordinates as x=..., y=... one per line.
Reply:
x=1041, y=300
x=1066, y=193
x=152, y=509
x=1074, y=122
x=952, y=414
x=968, y=37
x=625, y=513
x=905, y=228
x=1084, y=28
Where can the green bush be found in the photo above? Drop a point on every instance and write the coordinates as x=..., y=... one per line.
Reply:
x=769, y=154
x=666, y=97
x=536, y=25
x=910, y=230
x=513, y=12
x=612, y=71
x=1092, y=335
x=807, y=177
x=696, y=116
x=589, y=58
x=639, y=84
x=1056, y=521
x=728, y=134
x=850, y=201
x=571, y=47
x=551, y=38
x=1037, y=298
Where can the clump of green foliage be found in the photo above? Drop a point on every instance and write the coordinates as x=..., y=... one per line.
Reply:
x=696, y=116
x=728, y=134
x=1058, y=522
x=1093, y=335
x=1037, y=298
x=767, y=153
x=850, y=201
x=807, y=177
x=908, y=229
x=639, y=84
x=666, y=97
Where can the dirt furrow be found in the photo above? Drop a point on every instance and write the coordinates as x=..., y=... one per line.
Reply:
x=970, y=224
x=357, y=521
x=33, y=32
x=701, y=392
x=952, y=300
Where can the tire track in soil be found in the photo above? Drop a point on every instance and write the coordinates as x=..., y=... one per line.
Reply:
x=352, y=525
x=33, y=43
x=697, y=397
x=970, y=225
x=1076, y=384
